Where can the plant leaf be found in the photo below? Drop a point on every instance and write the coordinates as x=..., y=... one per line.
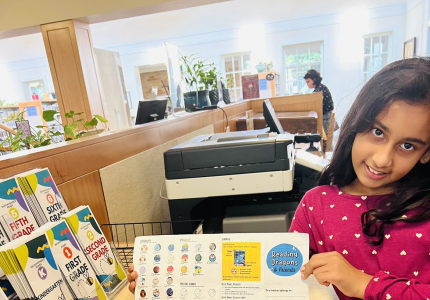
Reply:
x=45, y=142
x=48, y=115
x=69, y=131
x=101, y=119
x=40, y=126
x=12, y=117
x=68, y=115
x=93, y=122
x=78, y=114
x=57, y=133
x=69, y=139
x=72, y=113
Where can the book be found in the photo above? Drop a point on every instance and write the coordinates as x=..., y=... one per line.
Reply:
x=93, y=242
x=42, y=195
x=31, y=268
x=15, y=216
x=72, y=262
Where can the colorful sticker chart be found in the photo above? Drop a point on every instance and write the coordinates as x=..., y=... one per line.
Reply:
x=222, y=266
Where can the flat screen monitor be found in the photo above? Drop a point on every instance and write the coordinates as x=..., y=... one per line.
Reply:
x=150, y=111
x=271, y=118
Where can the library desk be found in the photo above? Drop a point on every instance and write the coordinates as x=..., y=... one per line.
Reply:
x=291, y=121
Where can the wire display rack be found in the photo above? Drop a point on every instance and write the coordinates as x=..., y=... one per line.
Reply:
x=121, y=236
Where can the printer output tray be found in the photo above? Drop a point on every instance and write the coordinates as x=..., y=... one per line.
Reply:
x=228, y=154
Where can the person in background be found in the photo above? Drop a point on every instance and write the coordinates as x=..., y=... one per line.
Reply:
x=313, y=80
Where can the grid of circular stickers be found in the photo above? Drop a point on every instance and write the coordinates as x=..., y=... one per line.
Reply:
x=170, y=259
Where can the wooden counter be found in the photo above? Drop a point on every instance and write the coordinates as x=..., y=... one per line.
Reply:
x=291, y=121
x=75, y=165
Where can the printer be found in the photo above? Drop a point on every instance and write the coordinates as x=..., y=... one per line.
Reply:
x=245, y=181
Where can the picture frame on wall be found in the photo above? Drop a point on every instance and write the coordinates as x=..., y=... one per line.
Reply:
x=409, y=48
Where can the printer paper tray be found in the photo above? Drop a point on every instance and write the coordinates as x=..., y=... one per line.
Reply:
x=251, y=183
x=278, y=165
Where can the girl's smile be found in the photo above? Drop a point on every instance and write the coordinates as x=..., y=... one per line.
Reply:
x=373, y=173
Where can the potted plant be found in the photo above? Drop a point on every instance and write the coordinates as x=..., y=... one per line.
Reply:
x=209, y=79
x=26, y=137
x=226, y=90
x=195, y=69
x=264, y=67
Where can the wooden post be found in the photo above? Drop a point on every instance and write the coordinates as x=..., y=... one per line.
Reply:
x=249, y=120
x=72, y=62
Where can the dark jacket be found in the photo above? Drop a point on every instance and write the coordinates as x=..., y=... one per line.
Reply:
x=328, y=105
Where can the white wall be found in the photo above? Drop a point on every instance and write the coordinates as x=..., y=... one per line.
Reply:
x=415, y=24
x=12, y=74
x=342, y=77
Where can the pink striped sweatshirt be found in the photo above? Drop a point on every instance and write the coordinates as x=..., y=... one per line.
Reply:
x=400, y=266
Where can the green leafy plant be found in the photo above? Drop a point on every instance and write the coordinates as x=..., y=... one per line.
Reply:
x=22, y=140
x=71, y=129
x=209, y=78
x=194, y=69
x=268, y=67
x=230, y=81
x=4, y=103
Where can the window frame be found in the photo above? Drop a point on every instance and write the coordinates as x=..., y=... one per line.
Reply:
x=309, y=65
x=379, y=55
x=225, y=73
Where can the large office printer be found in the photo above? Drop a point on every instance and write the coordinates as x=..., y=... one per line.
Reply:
x=247, y=181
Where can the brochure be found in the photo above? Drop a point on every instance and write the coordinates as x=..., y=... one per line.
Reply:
x=92, y=241
x=73, y=263
x=221, y=266
x=42, y=195
x=31, y=268
x=15, y=215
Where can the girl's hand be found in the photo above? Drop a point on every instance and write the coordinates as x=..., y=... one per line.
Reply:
x=131, y=276
x=332, y=268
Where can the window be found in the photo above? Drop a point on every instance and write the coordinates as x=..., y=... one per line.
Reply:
x=377, y=50
x=235, y=66
x=299, y=59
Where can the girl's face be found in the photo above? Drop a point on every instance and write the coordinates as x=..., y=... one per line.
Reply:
x=310, y=83
x=399, y=138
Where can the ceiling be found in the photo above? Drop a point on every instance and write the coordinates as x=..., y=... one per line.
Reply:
x=188, y=21
x=214, y=17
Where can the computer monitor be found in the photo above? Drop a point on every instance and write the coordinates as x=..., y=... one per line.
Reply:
x=271, y=118
x=150, y=111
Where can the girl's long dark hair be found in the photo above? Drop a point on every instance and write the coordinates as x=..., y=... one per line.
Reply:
x=407, y=80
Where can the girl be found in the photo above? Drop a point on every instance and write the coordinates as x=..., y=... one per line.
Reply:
x=369, y=219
